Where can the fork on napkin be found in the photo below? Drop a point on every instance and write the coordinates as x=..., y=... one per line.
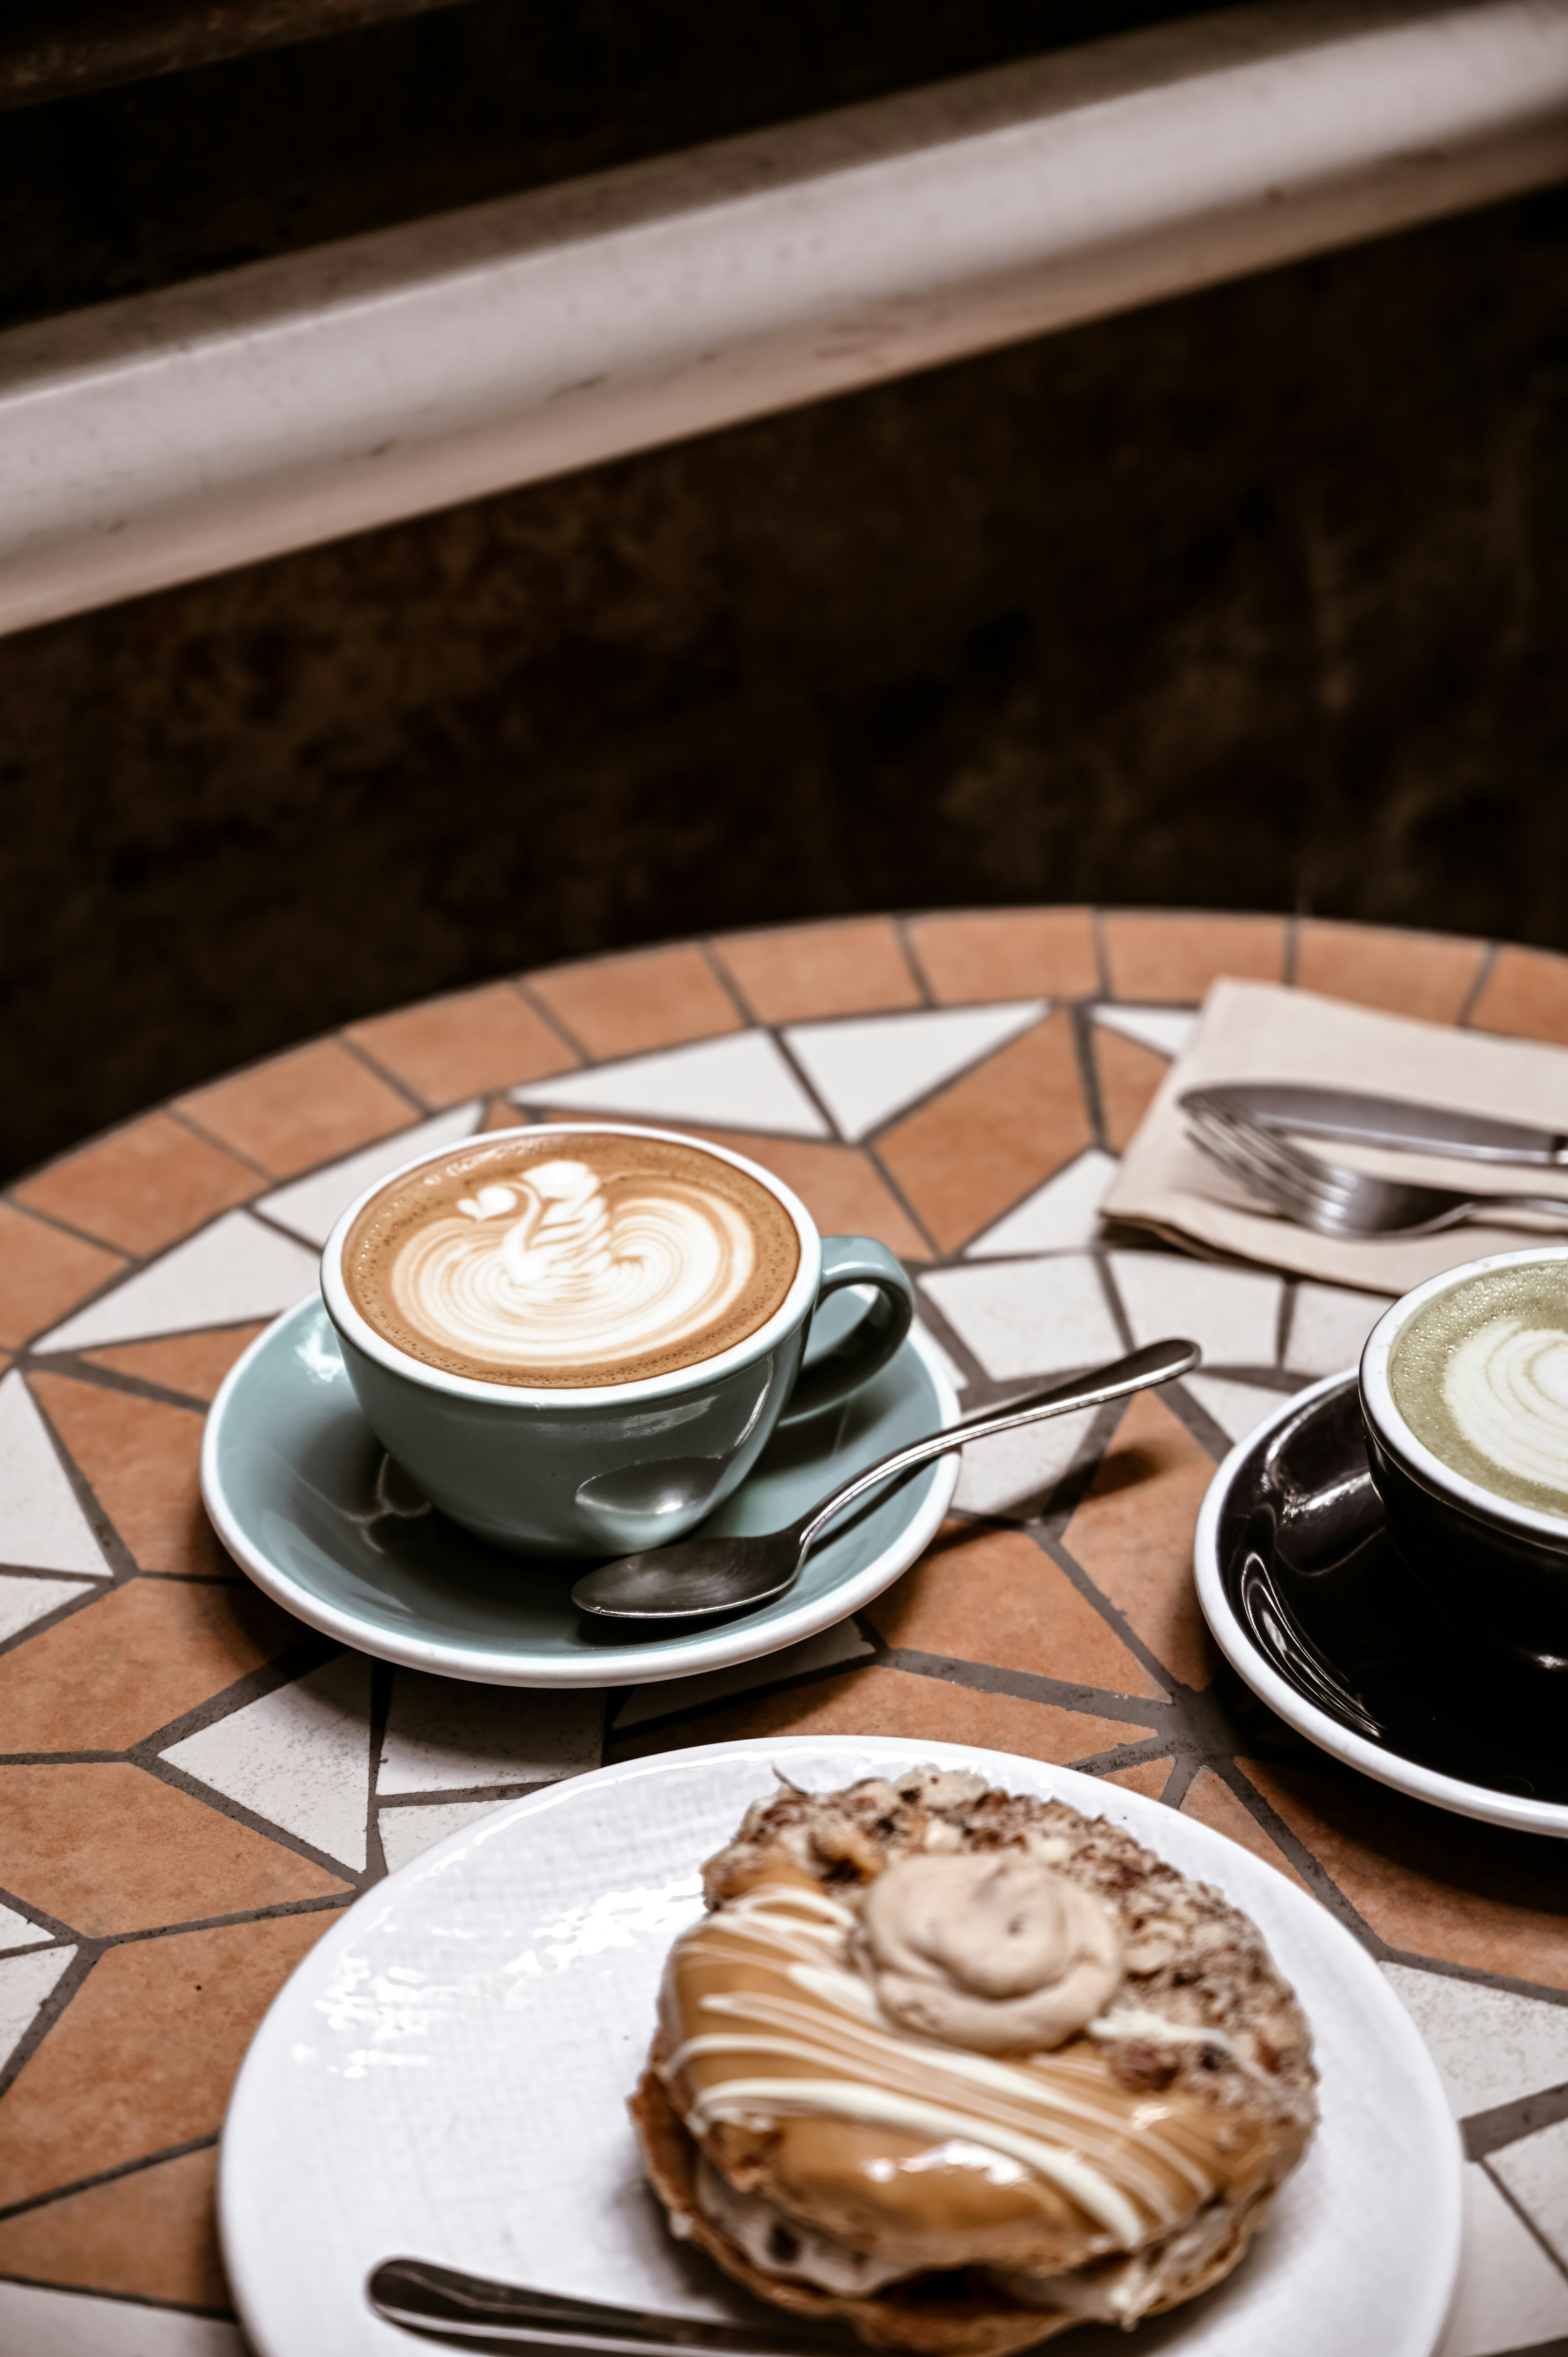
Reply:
x=1258, y=1031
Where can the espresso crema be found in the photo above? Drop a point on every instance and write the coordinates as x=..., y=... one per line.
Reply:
x=1480, y=1376
x=570, y=1258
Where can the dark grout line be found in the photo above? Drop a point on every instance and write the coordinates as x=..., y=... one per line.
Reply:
x=913, y=960
x=110, y=2177
x=381, y=1676
x=725, y=979
x=116, y=1554
x=371, y=1063
x=1504, y=2124
x=534, y=1000
x=48, y=2014
x=1478, y=981
x=1025, y=1685
x=1081, y=1014
x=1535, y=2233
x=210, y=1137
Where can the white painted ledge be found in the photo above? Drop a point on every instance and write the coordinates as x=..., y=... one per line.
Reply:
x=150, y=441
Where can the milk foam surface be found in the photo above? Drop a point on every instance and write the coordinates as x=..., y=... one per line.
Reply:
x=571, y=1258
x=1480, y=1376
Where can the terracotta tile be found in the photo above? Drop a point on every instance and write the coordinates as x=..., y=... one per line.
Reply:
x=840, y=1186
x=1129, y=1075
x=193, y=1363
x=1133, y=1535
x=137, y=1657
x=106, y=1848
x=145, y=2054
x=44, y=1272
x=1007, y=954
x=966, y=1155
x=993, y=1596
x=877, y=1701
x=143, y=1188
x=1160, y=956
x=300, y=1109
x=152, y=2236
x=465, y=1045
x=1526, y=993
x=857, y=967
x=1432, y=1884
x=1210, y=1800
x=1148, y=1777
x=1424, y=975
x=501, y=1115
x=656, y=999
x=143, y=1460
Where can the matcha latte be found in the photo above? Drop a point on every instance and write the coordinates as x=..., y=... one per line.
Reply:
x=1480, y=1376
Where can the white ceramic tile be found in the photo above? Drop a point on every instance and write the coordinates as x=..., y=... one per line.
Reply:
x=1491, y=2046
x=17, y=1931
x=866, y=1071
x=1231, y=1312
x=741, y=1082
x=24, y=1982
x=300, y=1757
x=1060, y=1216
x=406, y=1832
x=944, y=1359
x=22, y=1601
x=1166, y=1029
x=42, y=1526
x=1030, y=1316
x=1510, y=2295
x=445, y=1734
x=1236, y=1408
x=1005, y=1475
x=1329, y=1326
x=1535, y=2171
x=828, y=1647
x=38, y=2323
x=310, y=1207
x=237, y=1268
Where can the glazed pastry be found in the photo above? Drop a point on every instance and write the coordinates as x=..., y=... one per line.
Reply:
x=962, y=2069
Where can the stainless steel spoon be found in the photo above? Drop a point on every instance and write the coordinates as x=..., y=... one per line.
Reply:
x=699, y=1575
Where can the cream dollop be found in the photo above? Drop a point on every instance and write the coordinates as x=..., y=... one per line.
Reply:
x=1506, y=1387
x=993, y=1952
x=545, y=1271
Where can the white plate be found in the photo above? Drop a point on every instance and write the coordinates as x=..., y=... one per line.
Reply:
x=446, y=2076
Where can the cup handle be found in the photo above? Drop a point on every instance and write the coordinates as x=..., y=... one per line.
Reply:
x=855, y=1260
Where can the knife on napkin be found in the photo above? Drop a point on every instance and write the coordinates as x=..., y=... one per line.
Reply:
x=1366, y=1119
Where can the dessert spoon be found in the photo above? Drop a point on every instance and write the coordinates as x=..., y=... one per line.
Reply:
x=699, y=1576
x=477, y=2313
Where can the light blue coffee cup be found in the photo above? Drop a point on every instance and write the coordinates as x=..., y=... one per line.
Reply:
x=600, y=1469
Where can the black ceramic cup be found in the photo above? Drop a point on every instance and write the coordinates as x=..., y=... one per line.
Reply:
x=1496, y=1571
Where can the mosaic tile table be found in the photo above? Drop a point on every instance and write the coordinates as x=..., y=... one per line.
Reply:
x=192, y=1783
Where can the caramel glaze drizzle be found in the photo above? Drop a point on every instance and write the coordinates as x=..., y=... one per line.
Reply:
x=942, y=2155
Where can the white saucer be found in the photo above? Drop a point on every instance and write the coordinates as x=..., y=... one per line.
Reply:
x=298, y=1488
x=445, y=2074
x=1342, y=1646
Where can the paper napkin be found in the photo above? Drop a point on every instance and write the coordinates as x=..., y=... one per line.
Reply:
x=1254, y=1031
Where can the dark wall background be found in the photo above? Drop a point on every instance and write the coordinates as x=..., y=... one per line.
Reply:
x=1253, y=600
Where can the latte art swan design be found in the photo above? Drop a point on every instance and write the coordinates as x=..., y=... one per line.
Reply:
x=1506, y=1387
x=546, y=1270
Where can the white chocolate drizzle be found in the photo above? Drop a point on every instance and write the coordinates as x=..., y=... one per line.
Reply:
x=791, y=2031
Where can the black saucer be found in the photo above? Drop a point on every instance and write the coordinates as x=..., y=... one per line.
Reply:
x=1312, y=1583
